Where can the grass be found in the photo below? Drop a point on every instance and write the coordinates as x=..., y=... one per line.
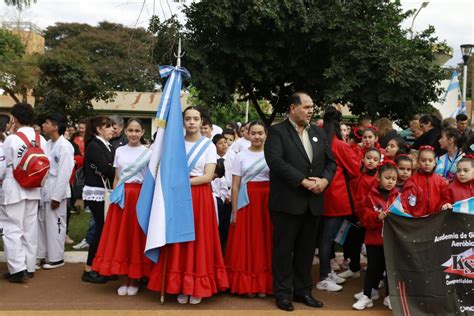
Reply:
x=78, y=224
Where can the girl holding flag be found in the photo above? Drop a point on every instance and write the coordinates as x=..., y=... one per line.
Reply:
x=249, y=247
x=462, y=188
x=195, y=269
x=122, y=242
x=375, y=209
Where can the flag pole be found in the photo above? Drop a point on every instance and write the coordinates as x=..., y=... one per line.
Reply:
x=178, y=56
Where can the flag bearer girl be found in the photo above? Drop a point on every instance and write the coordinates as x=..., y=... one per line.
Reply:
x=249, y=247
x=195, y=269
x=122, y=242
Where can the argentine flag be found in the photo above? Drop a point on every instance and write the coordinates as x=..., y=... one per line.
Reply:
x=453, y=94
x=397, y=208
x=464, y=206
x=164, y=207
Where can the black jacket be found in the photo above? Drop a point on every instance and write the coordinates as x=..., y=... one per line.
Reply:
x=98, y=160
x=289, y=165
x=430, y=138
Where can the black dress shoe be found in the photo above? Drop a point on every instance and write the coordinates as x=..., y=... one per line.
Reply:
x=111, y=278
x=6, y=275
x=308, y=300
x=18, y=277
x=93, y=277
x=30, y=275
x=285, y=304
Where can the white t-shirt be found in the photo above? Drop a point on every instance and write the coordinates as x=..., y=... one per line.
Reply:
x=208, y=156
x=125, y=156
x=244, y=160
x=240, y=144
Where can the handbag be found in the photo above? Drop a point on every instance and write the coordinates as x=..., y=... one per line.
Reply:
x=107, y=192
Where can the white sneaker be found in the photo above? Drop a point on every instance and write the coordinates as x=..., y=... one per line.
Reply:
x=334, y=265
x=262, y=295
x=132, y=290
x=82, y=245
x=363, y=303
x=345, y=264
x=195, y=300
x=349, y=274
x=183, y=299
x=328, y=285
x=337, y=279
x=53, y=265
x=375, y=295
x=68, y=240
x=363, y=250
x=122, y=291
x=387, y=303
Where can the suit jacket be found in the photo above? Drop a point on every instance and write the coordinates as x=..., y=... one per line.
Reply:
x=98, y=159
x=289, y=165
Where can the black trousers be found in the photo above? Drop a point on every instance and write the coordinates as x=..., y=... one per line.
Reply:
x=224, y=211
x=97, y=210
x=294, y=242
x=375, y=269
x=352, y=247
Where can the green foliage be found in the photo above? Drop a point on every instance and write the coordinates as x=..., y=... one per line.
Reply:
x=352, y=52
x=20, y=4
x=67, y=85
x=166, y=39
x=11, y=47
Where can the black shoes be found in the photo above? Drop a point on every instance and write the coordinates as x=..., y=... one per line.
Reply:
x=308, y=300
x=93, y=277
x=18, y=277
x=284, y=304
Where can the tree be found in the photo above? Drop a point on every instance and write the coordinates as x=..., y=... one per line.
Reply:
x=20, y=4
x=352, y=52
x=119, y=55
x=67, y=85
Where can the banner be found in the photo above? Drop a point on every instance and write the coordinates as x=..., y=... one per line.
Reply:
x=430, y=264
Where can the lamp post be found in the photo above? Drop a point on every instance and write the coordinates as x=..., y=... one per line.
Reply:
x=424, y=4
x=466, y=50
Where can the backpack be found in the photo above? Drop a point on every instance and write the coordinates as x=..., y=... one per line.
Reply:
x=78, y=185
x=34, y=165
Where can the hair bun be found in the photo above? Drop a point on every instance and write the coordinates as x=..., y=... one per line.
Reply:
x=332, y=114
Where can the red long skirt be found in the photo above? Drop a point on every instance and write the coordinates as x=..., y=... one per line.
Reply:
x=122, y=243
x=197, y=267
x=249, y=246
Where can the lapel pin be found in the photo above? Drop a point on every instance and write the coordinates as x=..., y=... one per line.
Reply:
x=315, y=139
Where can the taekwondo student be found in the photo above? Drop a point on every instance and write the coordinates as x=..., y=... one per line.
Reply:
x=19, y=218
x=54, y=194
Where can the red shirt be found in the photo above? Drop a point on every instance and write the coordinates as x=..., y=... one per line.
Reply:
x=336, y=196
x=80, y=143
x=413, y=199
x=435, y=190
x=373, y=204
x=360, y=189
x=458, y=191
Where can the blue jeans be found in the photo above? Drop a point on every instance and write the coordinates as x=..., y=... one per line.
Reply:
x=90, y=231
x=327, y=232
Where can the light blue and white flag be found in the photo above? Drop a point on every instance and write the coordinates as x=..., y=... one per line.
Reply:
x=164, y=207
x=397, y=208
x=252, y=171
x=453, y=94
x=342, y=232
x=464, y=206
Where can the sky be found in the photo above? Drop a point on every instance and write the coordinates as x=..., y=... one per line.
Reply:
x=452, y=19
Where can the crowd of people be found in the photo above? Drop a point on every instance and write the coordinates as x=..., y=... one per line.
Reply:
x=265, y=201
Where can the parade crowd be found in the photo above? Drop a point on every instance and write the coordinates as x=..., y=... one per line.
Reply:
x=265, y=201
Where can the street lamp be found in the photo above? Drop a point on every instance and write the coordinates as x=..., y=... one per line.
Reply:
x=466, y=50
x=424, y=4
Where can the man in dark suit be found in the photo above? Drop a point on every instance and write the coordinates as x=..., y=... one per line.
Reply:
x=301, y=167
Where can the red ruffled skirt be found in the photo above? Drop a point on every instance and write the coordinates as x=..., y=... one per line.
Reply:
x=197, y=267
x=122, y=243
x=249, y=246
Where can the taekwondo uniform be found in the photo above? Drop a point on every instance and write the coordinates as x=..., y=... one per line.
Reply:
x=52, y=223
x=19, y=218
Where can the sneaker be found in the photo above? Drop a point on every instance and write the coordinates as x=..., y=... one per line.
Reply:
x=195, y=300
x=183, y=299
x=363, y=250
x=122, y=291
x=345, y=264
x=386, y=302
x=262, y=295
x=87, y=209
x=334, y=265
x=68, y=240
x=82, y=245
x=363, y=303
x=53, y=265
x=337, y=279
x=328, y=285
x=349, y=274
x=381, y=284
x=375, y=295
x=39, y=263
x=132, y=290
x=251, y=295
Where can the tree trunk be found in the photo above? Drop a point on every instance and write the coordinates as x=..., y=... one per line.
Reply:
x=13, y=96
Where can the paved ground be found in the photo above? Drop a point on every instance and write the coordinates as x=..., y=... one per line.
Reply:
x=62, y=290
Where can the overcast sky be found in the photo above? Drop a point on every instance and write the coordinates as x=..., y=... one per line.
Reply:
x=453, y=19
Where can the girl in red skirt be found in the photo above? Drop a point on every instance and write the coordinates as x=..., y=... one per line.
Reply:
x=195, y=269
x=122, y=242
x=249, y=246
